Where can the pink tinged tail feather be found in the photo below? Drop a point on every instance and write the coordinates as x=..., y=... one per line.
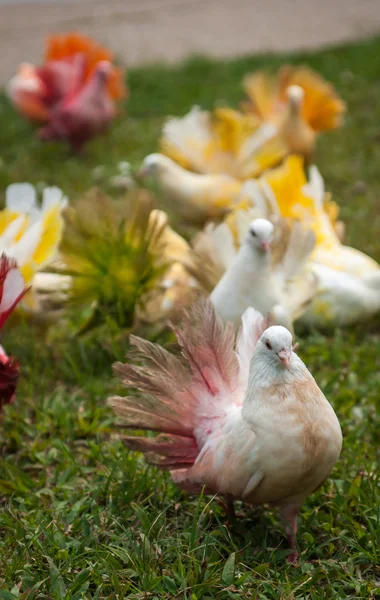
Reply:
x=186, y=397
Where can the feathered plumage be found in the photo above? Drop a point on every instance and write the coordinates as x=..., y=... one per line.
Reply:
x=288, y=191
x=342, y=298
x=223, y=142
x=348, y=289
x=84, y=113
x=298, y=101
x=239, y=272
x=195, y=197
x=73, y=92
x=206, y=158
x=322, y=108
x=216, y=408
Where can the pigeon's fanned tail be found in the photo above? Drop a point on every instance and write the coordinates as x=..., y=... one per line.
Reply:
x=165, y=451
x=185, y=398
x=208, y=346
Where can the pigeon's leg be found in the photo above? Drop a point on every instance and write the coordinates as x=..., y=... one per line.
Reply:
x=230, y=510
x=290, y=514
x=229, y=507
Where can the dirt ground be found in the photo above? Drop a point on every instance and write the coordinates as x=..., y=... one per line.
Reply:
x=146, y=31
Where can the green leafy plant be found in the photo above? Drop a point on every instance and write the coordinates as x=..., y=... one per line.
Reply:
x=114, y=252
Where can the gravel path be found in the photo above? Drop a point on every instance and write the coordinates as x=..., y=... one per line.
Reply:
x=146, y=31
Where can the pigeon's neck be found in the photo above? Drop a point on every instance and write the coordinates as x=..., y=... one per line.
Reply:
x=253, y=260
x=266, y=374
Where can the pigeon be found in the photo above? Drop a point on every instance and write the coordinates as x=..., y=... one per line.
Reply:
x=245, y=419
x=69, y=62
x=342, y=299
x=252, y=280
x=84, y=112
x=293, y=129
x=287, y=192
x=330, y=251
x=206, y=157
x=347, y=280
x=322, y=108
x=196, y=197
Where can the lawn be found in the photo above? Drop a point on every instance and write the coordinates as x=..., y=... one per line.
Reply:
x=82, y=518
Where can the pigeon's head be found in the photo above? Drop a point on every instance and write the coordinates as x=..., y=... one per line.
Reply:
x=260, y=234
x=296, y=96
x=153, y=165
x=103, y=70
x=276, y=344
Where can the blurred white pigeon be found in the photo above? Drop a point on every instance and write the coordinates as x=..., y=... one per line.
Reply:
x=251, y=278
x=196, y=197
x=246, y=420
x=342, y=298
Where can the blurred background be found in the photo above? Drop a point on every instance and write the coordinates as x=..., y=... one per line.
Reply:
x=150, y=31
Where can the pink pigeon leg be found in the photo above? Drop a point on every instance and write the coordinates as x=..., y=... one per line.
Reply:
x=290, y=514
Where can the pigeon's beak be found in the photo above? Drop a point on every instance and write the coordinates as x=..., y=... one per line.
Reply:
x=265, y=246
x=284, y=356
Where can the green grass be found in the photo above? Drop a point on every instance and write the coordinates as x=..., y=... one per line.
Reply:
x=83, y=518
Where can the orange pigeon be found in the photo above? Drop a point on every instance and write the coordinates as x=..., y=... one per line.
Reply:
x=298, y=101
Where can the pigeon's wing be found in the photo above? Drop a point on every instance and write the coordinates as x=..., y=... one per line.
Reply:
x=295, y=244
x=291, y=252
x=228, y=462
x=213, y=253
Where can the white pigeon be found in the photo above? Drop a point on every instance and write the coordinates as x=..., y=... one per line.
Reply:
x=246, y=420
x=348, y=288
x=196, y=197
x=342, y=298
x=252, y=280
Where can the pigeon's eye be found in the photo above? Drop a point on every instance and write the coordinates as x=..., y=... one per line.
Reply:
x=252, y=232
x=268, y=345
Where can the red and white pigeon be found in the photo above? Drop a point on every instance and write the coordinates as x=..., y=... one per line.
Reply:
x=12, y=289
x=244, y=419
x=56, y=93
x=84, y=112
